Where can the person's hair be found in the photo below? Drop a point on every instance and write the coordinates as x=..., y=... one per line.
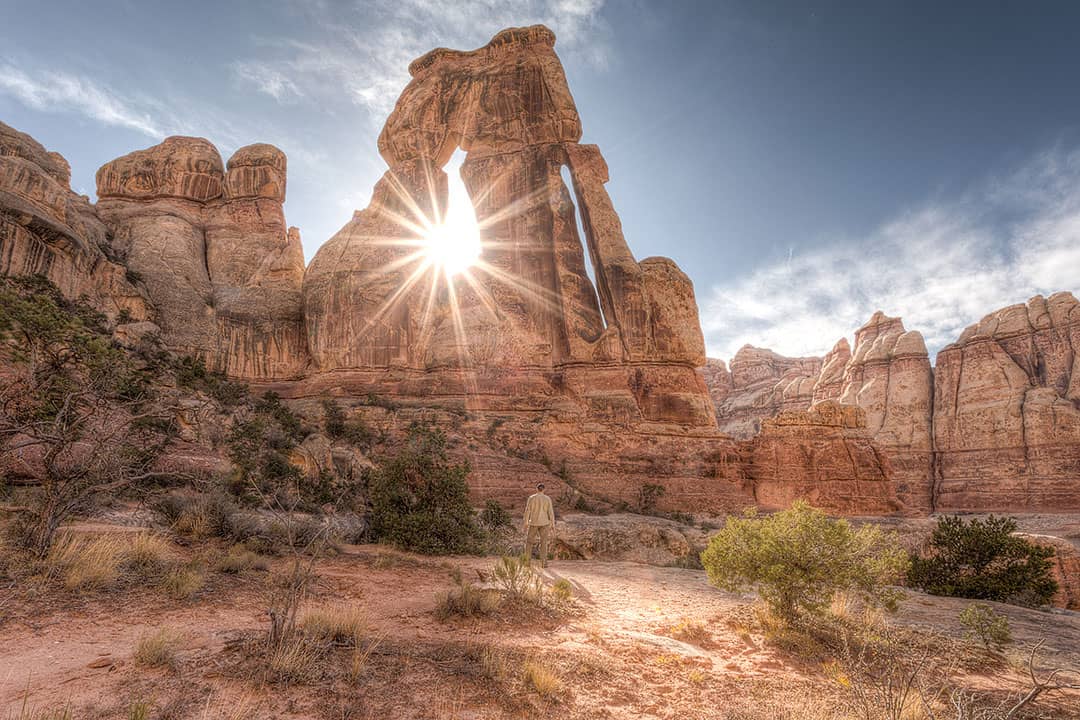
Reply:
x=539, y=486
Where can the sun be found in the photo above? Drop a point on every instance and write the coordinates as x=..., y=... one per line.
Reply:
x=453, y=245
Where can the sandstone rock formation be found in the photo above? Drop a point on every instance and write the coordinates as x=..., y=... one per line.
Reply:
x=823, y=455
x=211, y=244
x=760, y=385
x=1007, y=410
x=995, y=426
x=47, y=229
x=888, y=375
x=627, y=347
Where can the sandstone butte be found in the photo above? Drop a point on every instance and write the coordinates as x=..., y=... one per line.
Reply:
x=540, y=372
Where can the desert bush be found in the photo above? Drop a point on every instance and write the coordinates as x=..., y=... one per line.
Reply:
x=191, y=373
x=341, y=624
x=562, y=592
x=339, y=426
x=648, y=495
x=984, y=560
x=157, y=649
x=494, y=516
x=798, y=558
x=90, y=408
x=465, y=600
x=518, y=580
x=420, y=500
x=988, y=627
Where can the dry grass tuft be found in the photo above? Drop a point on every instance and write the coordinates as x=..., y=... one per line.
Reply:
x=690, y=631
x=239, y=559
x=341, y=624
x=541, y=678
x=157, y=649
x=293, y=660
x=183, y=583
x=466, y=600
x=148, y=555
x=26, y=712
x=86, y=563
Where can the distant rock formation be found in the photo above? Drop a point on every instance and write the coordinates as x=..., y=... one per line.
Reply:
x=760, y=385
x=995, y=426
x=211, y=244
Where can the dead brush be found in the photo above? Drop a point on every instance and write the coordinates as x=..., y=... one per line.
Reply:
x=183, y=583
x=85, y=563
x=340, y=624
x=240, y=559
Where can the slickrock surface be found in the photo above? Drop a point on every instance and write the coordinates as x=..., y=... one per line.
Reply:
x=212, y=246
x=47, y=229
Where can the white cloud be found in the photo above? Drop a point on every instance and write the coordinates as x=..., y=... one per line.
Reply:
x=364, y=53
x=940, y=267
x=57, y=91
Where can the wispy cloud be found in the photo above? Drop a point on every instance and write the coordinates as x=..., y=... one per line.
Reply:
x=59, y=91
x=941, y=267
x=363, y=52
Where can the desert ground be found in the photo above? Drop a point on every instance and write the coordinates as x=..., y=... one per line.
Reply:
x=634, y=641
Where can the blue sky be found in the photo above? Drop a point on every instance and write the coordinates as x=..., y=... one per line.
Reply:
x=805, y=163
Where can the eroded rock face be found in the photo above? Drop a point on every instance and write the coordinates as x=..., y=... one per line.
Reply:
x=529, y=306
x=1007, y=410
x=889, y=376
x=47, y=229
x=823, y=455
x=763, y=384
x=212, y=246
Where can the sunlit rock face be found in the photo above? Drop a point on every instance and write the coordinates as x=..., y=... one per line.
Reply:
x=1007, y=410
x=47, y=229
x=526, y=320
x=211, y=244
x=760, y=384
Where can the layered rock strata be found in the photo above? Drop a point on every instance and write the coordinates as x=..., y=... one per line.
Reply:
x=1007, y=410
x=759, y=385
x=211, y=244
x=46, y=229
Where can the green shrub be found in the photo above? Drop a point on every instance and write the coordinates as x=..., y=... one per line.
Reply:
x=988, y=627
x=192, y=373
x=799, y=558
x=420, y=500
x=494, y=515
x=984, y=560
x=518, y=580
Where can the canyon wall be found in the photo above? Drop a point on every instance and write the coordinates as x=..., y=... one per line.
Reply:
x=994, y=426
x=597, y=384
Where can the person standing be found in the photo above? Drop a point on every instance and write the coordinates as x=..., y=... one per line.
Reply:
x=539, y=523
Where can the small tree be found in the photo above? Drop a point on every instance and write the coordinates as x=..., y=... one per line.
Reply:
x=81, y=407
x=988, y=627
x=984, y=560
x=799, y=558
x=420, y=500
